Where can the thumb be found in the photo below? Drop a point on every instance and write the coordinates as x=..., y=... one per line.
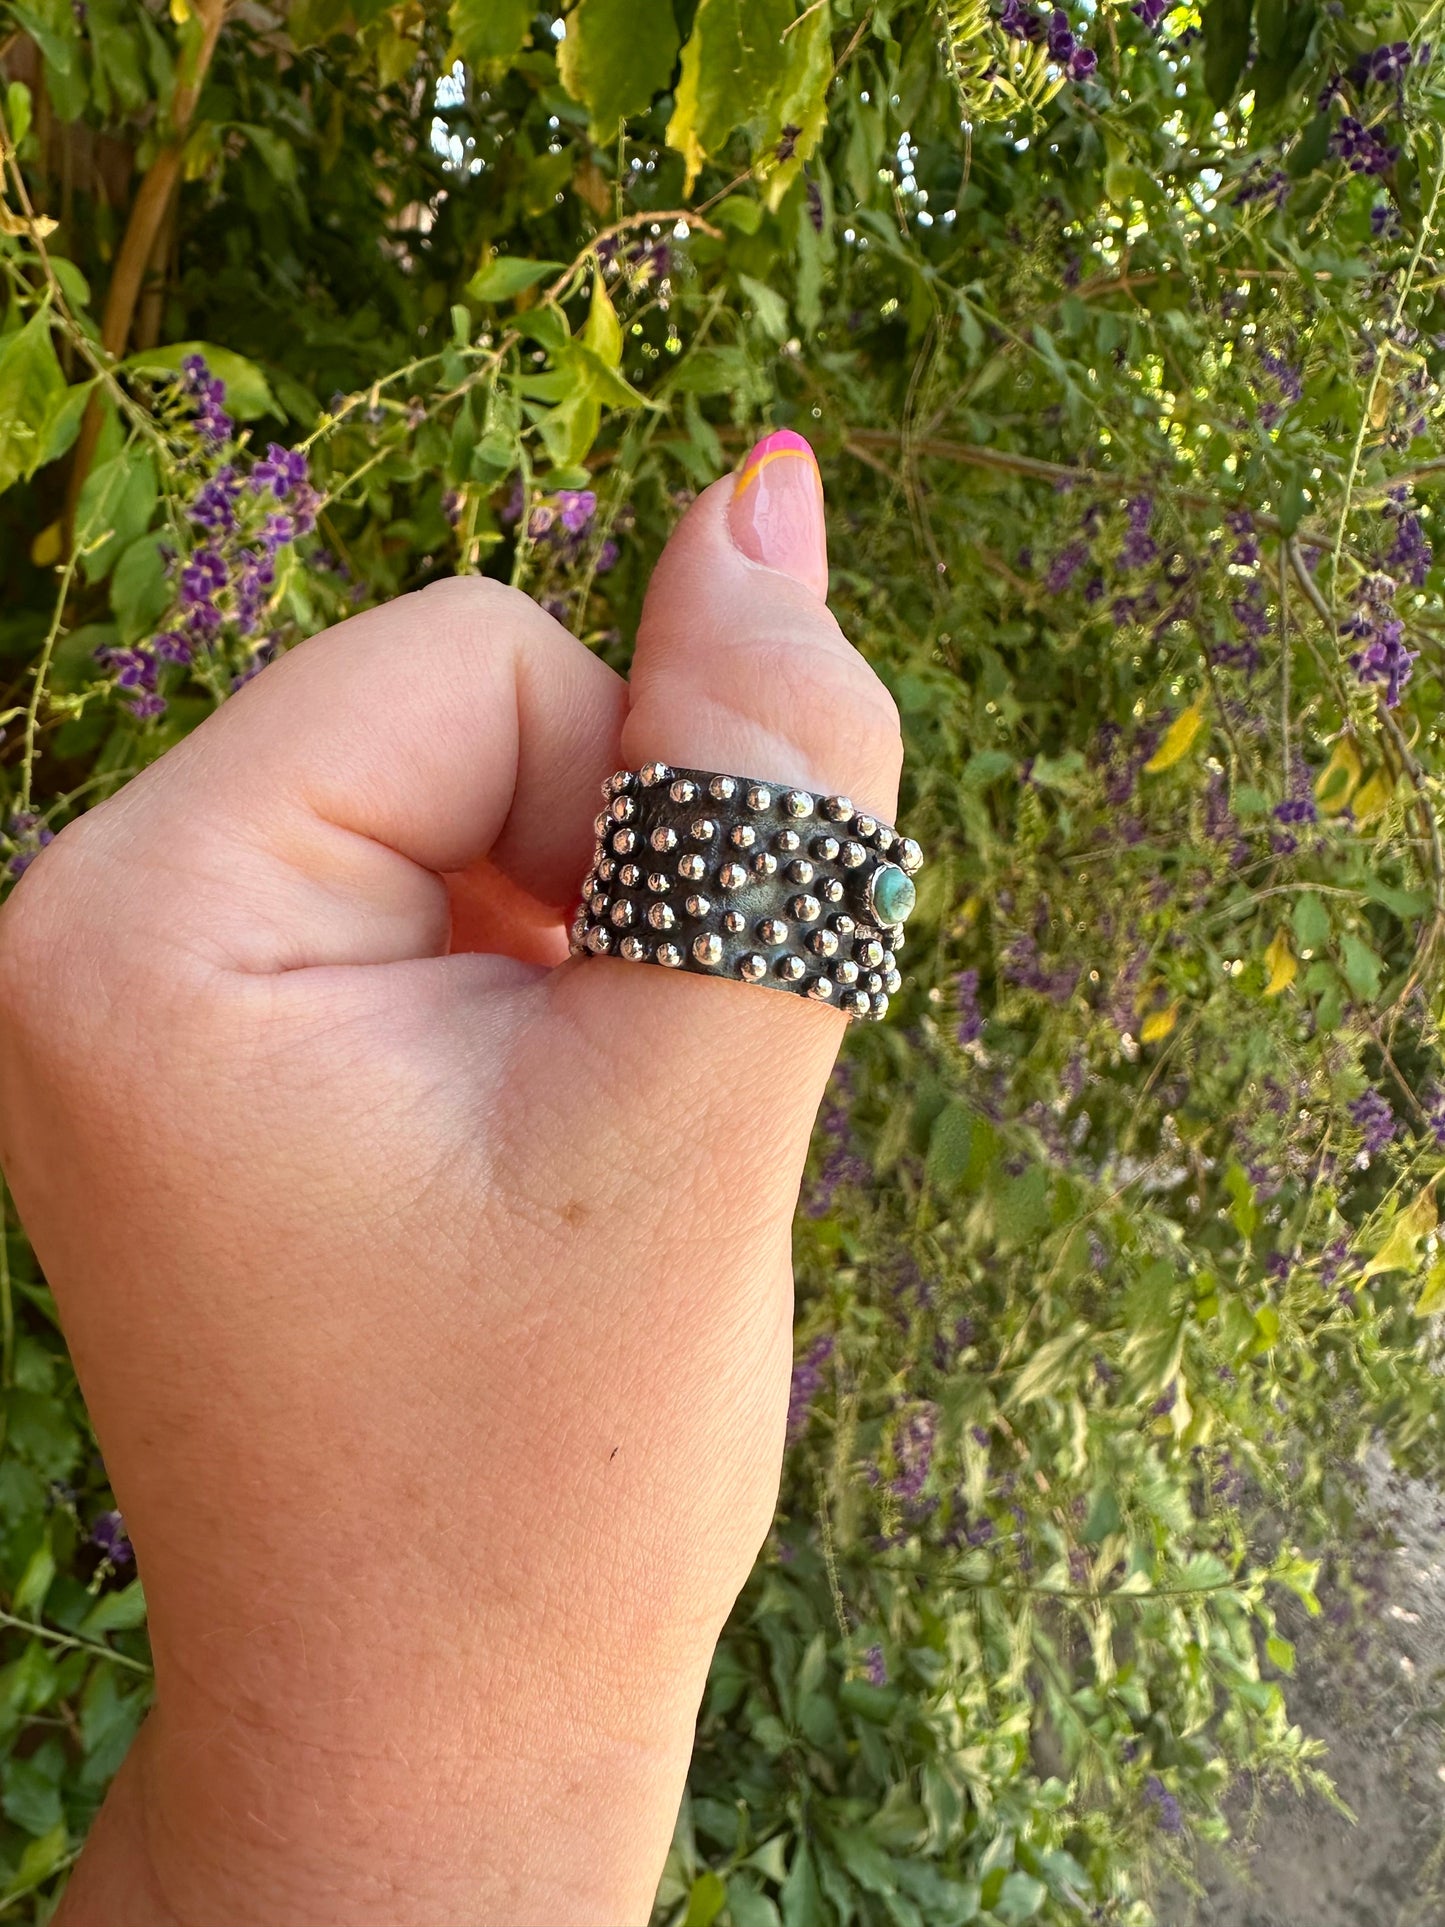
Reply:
x=741, y=669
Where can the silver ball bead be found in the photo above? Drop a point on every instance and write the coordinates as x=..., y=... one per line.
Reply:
x=772, y=930
x=801, y=870
x=735, y=922
x=692, y=868
x=844, y=924
x=600, y=823
x=623, y=841
x=742, y=836
x=660, y=916
x=787, y=841
x=806, y=909
x=759, y=796
x=869, y=953
x=621, y=779
x=845, y=971
x=732, y=876
x=698, y=905
x=908, y=856
x=659, y=884
x=707, y=948
x=654, y=773
x=839, y=808
x=790, y=968
x=607, y=869
x=622, y=912
x=623, y=809
x=825, y=848
x=823, y=943
x=821, y=989
x=892, y=981
x=683, y=791
x=880, y=1006
x=853, y=854
x=703, y=830
x=866, y=827
x=721, y=788
x=669, y=954
x=765, y=864
x=663, y=838
x=633, y=949
x=598, y=940
x=752, y=967
x=798, y=803
x=832, y=889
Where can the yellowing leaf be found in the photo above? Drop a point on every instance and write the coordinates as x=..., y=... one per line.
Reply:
x=1158, y=1024
x=1397, y=1253
x=1178, y=739
x=1372, y=799
x=1283, y=966
x=603, y=331
x=1338, y=778
x=1432, y=1297
x=180, y=12
x=47, y=546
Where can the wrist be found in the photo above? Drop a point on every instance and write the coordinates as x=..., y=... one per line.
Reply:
x=520, y=1798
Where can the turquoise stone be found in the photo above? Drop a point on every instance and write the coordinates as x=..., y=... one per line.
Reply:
x=891, y=893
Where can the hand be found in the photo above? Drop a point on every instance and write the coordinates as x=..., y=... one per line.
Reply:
x=430, y=1290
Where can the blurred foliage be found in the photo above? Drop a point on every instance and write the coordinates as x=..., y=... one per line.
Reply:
x=1119, y=334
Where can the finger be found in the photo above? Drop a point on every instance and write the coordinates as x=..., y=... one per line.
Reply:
x=740, y=668
x=311, y=820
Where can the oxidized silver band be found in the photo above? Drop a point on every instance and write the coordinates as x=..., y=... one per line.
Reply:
x=728, y=876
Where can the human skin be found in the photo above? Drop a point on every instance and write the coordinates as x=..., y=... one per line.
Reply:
x=430, y=1291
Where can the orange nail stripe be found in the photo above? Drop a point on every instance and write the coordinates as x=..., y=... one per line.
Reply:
x=752, y=473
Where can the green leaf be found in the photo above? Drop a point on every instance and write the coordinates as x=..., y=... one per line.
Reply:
x=1050, y=1368
x=17, y=110
x=1226, y=46
x=800, y=1900
x=506, y=275
x=29, y=1595
x=748, y=1907
x=115, y=507
x=1020, y=1898
x=248, y=393
x=801, y=105
x=616, y=58
x=41, y=1858
x=1311, y=921
x=31, y=388
x=706, y=1901
x=31, y=1797
x=489, y=32
x=733, y=67
x=770, y=307
x=139, y=590
x=950, y=1143
x=1281, y=1652
x=1362, y=967
x=116, y=1612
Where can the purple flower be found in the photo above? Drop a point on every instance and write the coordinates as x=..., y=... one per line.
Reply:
x=1017, y=22
x=1166, y=1806
x=214, y=508
x=1386, y=65
x=1061, y=39
x=875, y=1666
x=607, y=556
x=1410, y=552
x=1360, y=148
x=807, y=1383
x=1263, y=184
x=1151, y=12
x=1065, y=566
x=203, y=578
x=576, y=508
x=147, y=706
x=965, y=996
x=1139, y=547
x=108, y=1535
x=277, y=531
x=30, y=836
x=1299, y=805
x=914, y=1447
x=1376, y=1120
x=214, y=424
x=1383, y=656
x=281, y=470
x=1435, y=1114
x=172, y=645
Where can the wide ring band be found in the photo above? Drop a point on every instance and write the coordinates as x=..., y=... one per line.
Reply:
x=731, y=876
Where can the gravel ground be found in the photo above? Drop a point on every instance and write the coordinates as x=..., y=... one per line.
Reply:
x=1379, y=1704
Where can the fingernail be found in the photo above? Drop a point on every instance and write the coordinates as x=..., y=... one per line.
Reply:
x=776, y=514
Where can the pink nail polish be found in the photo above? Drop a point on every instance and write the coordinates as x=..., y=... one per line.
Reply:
x=776, y=514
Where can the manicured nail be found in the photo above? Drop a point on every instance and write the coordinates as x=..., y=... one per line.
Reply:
x=776, y=514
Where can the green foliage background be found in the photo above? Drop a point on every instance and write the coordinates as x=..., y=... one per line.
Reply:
x=1111, y=1265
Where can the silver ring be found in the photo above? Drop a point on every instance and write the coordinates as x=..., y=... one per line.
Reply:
x=762, y=882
